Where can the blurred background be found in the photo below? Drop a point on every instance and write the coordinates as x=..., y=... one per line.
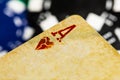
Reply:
x=20, y=20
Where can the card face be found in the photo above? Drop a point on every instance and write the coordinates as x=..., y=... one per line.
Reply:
x=70, y=50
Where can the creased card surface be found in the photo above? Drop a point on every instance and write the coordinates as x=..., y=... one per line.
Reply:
x=70, y=50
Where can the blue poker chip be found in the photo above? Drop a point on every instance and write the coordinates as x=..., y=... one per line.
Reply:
x=13, y=25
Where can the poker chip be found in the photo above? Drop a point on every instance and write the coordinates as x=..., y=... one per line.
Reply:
x=14, y=28
x=103, y=15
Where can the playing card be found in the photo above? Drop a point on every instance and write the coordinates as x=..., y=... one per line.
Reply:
x=70, y=50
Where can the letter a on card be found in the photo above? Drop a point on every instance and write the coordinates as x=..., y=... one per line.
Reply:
x=70, y=50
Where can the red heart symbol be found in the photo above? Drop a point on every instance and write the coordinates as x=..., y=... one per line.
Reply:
x=44, y=43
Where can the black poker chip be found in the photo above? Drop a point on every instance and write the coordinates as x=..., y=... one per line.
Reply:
x=103, y=11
